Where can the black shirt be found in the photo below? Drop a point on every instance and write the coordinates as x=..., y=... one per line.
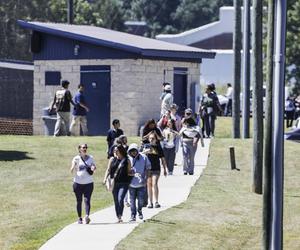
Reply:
x=112, y=134
x=122, y=174
x=154, y=153
x=147, y=131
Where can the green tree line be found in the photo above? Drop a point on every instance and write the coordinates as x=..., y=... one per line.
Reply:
x=162, y=16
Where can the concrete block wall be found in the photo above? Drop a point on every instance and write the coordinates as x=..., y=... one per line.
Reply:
x=136, y=85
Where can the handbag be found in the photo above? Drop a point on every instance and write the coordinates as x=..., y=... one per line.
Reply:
x=87, y=167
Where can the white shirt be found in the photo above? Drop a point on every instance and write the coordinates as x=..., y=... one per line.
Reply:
x=166, y=103
x=229, y=92
x=81, y=175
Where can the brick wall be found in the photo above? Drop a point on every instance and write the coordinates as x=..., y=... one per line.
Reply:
x=9, y=126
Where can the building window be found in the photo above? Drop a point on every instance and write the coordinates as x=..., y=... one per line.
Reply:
x=52, y=77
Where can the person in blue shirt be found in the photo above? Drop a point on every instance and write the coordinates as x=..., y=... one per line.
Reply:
x=140, y=166
x=79, y=113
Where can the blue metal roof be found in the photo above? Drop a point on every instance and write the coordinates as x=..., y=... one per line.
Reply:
x=119, y=40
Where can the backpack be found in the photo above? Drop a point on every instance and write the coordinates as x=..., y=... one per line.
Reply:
x=60, y=99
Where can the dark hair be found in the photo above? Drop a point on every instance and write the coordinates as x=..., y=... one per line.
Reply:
x=147, y=124
x=122, y=150
x=189, y=121
x=173, y=124
x=115, y=121
x=80, y=85
x=65, y=83
x=121, y=139
x=213, y=87
x=229, y=84
x=166, y=83
x=209, y=87
x=155, y=135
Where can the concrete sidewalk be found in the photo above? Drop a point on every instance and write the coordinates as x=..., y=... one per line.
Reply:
x=105, y=233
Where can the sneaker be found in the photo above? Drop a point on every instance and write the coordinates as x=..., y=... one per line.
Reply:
x=191, y=173
x=87, y=220
x=150, y=205
x=157, y=205
x=170, y=173
x=120, y=219
x=185, y=173
x=132, y=219
x=141, y=216
x=80, y=221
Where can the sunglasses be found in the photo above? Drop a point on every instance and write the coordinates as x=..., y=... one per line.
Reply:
x=84, y=147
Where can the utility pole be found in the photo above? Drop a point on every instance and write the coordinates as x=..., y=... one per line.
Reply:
x=278, y=128
x=267, y=173
x=70, y=11
x=246, y=69
x=237, y=46
x=257, y=97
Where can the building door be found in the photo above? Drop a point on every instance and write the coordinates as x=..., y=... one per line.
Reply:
x=96, y=81
x=180, y=89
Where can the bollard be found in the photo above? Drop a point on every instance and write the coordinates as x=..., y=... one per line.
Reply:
x=232, y=158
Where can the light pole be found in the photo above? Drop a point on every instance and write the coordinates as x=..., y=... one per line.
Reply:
x=70, y=11
x=237, y=46
x=278, y=128
x=246, y=69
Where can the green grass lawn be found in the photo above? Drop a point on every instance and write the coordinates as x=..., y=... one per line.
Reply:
x=36, y=187
x=220, y=213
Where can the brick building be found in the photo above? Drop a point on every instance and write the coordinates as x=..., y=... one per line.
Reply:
x=122, y=73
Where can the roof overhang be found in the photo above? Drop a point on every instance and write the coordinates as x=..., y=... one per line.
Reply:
x=163, y=53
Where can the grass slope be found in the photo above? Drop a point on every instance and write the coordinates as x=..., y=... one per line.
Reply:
x=221, y=211
x=36, y=187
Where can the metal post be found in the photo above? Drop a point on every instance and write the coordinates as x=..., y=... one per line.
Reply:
x=278, y=128
x=267, y=173
x=232, y=158
x=257, y=96
x=70, y=11
x=237, y=46
x=246, y=69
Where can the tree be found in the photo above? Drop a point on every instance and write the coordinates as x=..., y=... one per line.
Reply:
x=158, y=14
x=293, y=43
x=109, y=14
x=195, y=13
